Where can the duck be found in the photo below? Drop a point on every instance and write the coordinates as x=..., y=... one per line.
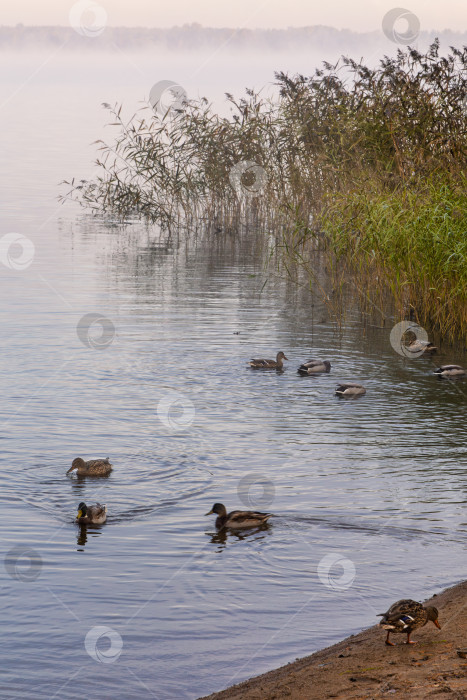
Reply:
x=421, y=346
x=314, y=367
x=95, y=467
x=450, y=371
x=95, y=515
x=350, y=389
x=269, y=364
x=406, y=616
x=238, y=519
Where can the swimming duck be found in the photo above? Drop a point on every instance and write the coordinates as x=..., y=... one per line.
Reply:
x=314, y=367
x=269, y=364
x=406, y=616
x=450, y=371
x=421, y=346
x=95, y=467
x=95, y=515
x=350, y=389
x=238, y=519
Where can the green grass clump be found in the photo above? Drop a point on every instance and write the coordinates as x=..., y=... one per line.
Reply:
x=412, y=243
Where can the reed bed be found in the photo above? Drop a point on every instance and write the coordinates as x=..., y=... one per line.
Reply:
x=365, y=165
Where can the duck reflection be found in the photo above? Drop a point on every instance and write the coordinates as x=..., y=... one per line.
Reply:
x=79, y=482
x=82, y=538
x=221, y=537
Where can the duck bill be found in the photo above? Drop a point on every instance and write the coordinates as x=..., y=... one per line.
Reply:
x=210, y=513
x=435, y=622
x=80, y=513
x=285, y=358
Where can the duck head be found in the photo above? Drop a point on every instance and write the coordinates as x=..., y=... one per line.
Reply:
x=432, y=613
x=76, y=464
x=82, y=510
x=218, y=509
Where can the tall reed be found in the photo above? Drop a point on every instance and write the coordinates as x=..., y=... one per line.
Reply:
x=367, y=163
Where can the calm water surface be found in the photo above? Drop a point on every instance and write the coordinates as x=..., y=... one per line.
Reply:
x=367, y=494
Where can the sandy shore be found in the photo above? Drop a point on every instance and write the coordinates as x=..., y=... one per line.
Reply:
x=363, y=667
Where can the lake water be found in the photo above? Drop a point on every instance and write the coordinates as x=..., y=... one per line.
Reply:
x=368, y=494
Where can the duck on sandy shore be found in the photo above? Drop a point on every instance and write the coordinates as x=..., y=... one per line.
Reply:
x=405, y=616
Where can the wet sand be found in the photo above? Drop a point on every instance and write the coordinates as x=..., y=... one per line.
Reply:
x=362, y=666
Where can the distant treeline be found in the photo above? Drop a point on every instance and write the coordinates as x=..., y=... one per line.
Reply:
x=194, y=37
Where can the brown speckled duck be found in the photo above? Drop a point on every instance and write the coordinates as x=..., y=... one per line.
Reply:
x=269, y=364
x=405, y=616
x=238, y=519
x=95, y=467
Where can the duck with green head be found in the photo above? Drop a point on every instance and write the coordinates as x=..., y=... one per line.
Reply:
x=91, y=515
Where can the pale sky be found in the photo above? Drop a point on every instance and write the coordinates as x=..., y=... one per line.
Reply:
x=359, y=15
